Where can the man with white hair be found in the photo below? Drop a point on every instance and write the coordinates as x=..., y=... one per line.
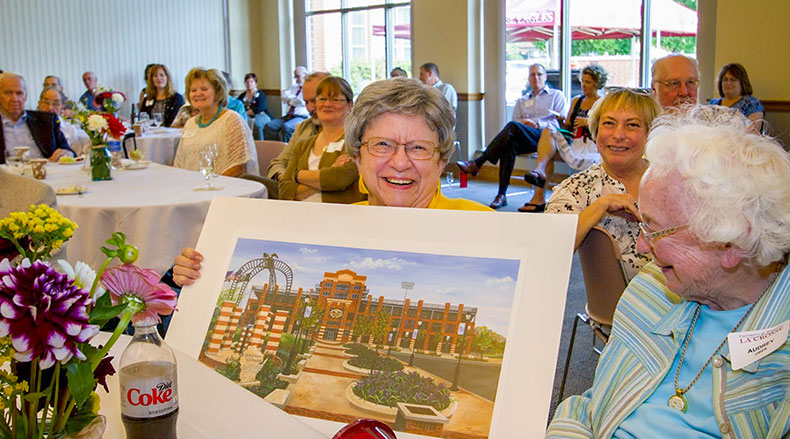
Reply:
x=699, y=346
x=283, y=128
x=27, y=128
x=675, y=81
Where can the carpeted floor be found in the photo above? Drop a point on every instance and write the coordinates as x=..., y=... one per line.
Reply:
x=584, y=360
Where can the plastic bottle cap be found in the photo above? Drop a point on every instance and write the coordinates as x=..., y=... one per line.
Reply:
x=365, y=429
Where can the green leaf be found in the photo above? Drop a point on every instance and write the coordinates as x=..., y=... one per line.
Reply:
x=101, y=315
x=81, y=383
x=75, y=424
x=109, y=253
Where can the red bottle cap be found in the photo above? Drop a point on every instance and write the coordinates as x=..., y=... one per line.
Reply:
x=365, y=429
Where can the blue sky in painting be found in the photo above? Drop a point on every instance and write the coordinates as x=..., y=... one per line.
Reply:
x=485, y=283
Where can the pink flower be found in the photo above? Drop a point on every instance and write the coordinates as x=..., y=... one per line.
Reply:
x=139, y=287
x=43, y=312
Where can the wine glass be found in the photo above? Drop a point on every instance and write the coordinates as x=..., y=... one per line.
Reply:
x=145, y=120
x=157, y=120
x=207, y=158
x=213, y=148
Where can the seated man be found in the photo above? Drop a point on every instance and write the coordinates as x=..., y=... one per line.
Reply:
x=716, y=220
x=534, y=112
x=53, y=101
x=26, y=128
x=283, y=128
x=88, y=98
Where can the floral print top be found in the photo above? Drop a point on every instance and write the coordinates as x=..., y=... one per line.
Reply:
x=580, y=190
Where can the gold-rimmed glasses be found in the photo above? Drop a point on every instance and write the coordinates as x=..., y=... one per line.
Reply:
x=674, y=85
x=637, y=90
x=652, y=237
x=416, y=149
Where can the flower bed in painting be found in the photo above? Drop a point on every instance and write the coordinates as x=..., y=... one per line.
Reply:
x=369, y=359
x=390, y=388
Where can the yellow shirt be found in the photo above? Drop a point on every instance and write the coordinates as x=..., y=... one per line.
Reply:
x=438, y=201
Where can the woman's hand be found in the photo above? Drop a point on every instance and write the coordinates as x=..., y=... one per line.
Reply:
x=622, y=205
x=580, y=122
x=341, y=160
x=186, y=268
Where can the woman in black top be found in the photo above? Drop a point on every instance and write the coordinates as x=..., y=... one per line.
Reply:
x=255, y=104
x=160, y=95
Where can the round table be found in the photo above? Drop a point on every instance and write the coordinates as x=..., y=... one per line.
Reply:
x=159, y=144
x=157, y=208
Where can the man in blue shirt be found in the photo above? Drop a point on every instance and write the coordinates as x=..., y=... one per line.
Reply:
x=87, y=98
x=535, y=111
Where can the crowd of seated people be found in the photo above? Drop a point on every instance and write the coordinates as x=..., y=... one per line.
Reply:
x=696, y=198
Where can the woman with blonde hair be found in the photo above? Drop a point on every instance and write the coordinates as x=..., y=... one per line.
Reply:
x=606, y=193
x=214, y=124
x=160, y=95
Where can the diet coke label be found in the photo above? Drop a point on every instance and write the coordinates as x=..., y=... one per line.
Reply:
x=148, y=389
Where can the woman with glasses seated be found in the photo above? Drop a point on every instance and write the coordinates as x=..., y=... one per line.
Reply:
x=319, y=169
x=606, y=193
x=400, y=135
x=735, y=91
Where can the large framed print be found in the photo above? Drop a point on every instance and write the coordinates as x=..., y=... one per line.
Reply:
x=439, y=323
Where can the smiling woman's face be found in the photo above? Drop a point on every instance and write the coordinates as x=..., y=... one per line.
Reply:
x=399, y=180
x=201, y=94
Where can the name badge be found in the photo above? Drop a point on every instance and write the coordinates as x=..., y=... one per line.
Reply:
x=529, y=103
x=335, y=146
x=750, y=346
x=189, y=132
x=149, y=102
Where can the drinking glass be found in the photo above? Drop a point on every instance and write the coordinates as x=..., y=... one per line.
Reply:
x=145, y=120
x=207, y=160
x=213, y=148
x=157, y=121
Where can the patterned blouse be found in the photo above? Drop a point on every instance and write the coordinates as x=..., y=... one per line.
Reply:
x=231, y=135
x=747, y=105
x=580, y=190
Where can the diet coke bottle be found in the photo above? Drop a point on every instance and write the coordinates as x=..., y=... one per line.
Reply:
x=149, y=386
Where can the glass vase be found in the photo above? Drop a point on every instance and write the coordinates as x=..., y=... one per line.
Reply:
x=101, y=163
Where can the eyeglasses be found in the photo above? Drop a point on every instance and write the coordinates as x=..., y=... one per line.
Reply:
x=50, y=103
x=691, y=84
x=639, y=90
x=651, y=237
x=416, y=149
x=323, y=100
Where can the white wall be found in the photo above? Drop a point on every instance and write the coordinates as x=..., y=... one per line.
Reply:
x=113, y=38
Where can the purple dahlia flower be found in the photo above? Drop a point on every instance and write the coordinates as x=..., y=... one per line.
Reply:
x=45, y=315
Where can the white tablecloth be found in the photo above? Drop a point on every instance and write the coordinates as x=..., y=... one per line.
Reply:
x=158, y=144
x=156, y=207
x=210, y=405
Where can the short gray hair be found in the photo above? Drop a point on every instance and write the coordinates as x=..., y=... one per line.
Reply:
x=739, y=180
x=10, y=75
x=401, y=96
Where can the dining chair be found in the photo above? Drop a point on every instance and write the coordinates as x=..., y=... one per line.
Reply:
x=267, y=150
x=604, y=282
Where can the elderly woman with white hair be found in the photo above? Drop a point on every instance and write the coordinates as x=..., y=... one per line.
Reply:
x=713, y=362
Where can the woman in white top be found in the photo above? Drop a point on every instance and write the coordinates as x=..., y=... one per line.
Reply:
x=208, y=94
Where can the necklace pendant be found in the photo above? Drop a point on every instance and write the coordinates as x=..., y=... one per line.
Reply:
x=677, y=402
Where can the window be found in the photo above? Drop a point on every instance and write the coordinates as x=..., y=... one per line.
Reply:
x=598, y=32
x=328, y=284
x=360, y=40
x=340, y=295
x=355, y=296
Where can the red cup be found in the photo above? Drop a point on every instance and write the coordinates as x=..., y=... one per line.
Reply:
x=463, y=178
x=365, y=429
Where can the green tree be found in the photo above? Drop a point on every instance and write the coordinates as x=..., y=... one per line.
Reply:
x=363, y=327
x=381, y=326
x=486, y=341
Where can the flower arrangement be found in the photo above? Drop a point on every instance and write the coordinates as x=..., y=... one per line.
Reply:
x=99, y=126
x=390, y=388
x=48, y=316
x=109, y=100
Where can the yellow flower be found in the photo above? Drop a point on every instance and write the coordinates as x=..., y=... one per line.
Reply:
x=38, y=229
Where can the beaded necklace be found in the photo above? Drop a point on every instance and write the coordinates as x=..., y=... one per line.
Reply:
x=200, y=118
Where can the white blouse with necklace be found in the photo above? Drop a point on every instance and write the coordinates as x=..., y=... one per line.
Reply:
x=231, y=135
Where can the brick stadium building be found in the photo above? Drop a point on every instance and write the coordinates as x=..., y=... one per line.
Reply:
x=345, y=298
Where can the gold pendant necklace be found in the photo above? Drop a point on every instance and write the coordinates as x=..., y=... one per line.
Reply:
x=678, y=401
